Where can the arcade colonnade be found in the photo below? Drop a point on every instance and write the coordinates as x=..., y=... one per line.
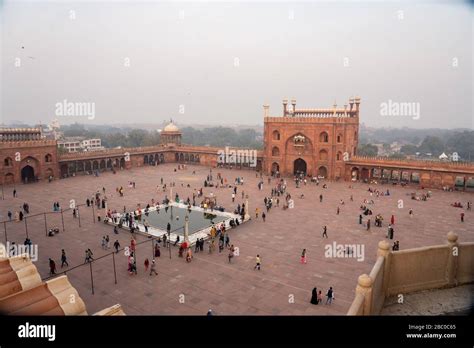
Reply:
x=451, y=176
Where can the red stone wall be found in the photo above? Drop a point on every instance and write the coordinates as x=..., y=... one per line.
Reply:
x=315, y=153
x=29, y=153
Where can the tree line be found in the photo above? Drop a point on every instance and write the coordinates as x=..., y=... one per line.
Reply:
x=133, y=137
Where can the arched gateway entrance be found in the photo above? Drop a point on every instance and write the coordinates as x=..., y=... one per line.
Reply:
x=299, y=166
x=27, y=174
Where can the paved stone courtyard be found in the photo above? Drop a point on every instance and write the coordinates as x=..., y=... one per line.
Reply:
x=209, y=281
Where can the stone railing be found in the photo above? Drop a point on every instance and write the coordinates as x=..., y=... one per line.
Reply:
x=26, y=143
x=411, y=270
x=323, y=118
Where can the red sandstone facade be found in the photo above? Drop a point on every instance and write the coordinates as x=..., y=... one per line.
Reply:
x=311, y=141
x=25, y=157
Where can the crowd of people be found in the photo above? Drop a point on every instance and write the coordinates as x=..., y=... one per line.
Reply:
x=219, y=237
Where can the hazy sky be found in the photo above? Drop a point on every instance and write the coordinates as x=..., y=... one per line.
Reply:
x=220, y=62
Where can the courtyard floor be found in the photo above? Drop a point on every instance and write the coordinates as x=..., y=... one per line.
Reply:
x=283, y=286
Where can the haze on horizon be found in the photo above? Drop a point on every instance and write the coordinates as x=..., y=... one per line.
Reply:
x=218, y=63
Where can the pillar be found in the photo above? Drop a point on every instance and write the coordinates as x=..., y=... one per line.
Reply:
x=285, y=103
x=452, y=266
x=357, y=103
x=364, y=287
x=384, y=251
x=246, y=216
x=186, y=229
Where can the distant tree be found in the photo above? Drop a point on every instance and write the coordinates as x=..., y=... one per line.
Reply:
x=409, y=149
x=463, y=144
x=114, y=140
x=136, y=137
x=367, y=150
x=433, y=145
x=397, y=155
x=74, y=130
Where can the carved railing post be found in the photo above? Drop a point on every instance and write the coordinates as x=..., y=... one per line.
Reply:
x=453, y=257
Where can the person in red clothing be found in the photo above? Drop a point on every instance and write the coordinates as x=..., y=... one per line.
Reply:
x=392, y=220
x=147, y=263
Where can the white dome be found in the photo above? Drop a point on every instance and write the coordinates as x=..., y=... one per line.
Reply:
x=171, y=127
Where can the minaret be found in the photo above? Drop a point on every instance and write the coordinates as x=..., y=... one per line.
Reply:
x=266, y=109
x=293, y=103
x=285, y=103
x=357, y=103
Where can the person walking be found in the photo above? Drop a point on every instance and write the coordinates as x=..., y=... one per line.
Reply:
x=303, y=257
x=256, y=213
x=52, y=267
x=231, y=253
x=325, y=231
x=320, y=296
x=462, y=217
x=392, y=220
x=360, y=219
x=396, y=246
x=14, y=193
x=63, y=258
x=329, y=295
x=263, y=216
x=368, y=225
x=320, y=198
x=196, y=246
x=153, y=267
x=116, y=246
x=89, y=254
x=146, y=224
x=314, y=296
x=257, y=262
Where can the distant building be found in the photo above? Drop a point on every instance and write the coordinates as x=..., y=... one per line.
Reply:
x=92, y=145
x=79, y=144
x=70, y=144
